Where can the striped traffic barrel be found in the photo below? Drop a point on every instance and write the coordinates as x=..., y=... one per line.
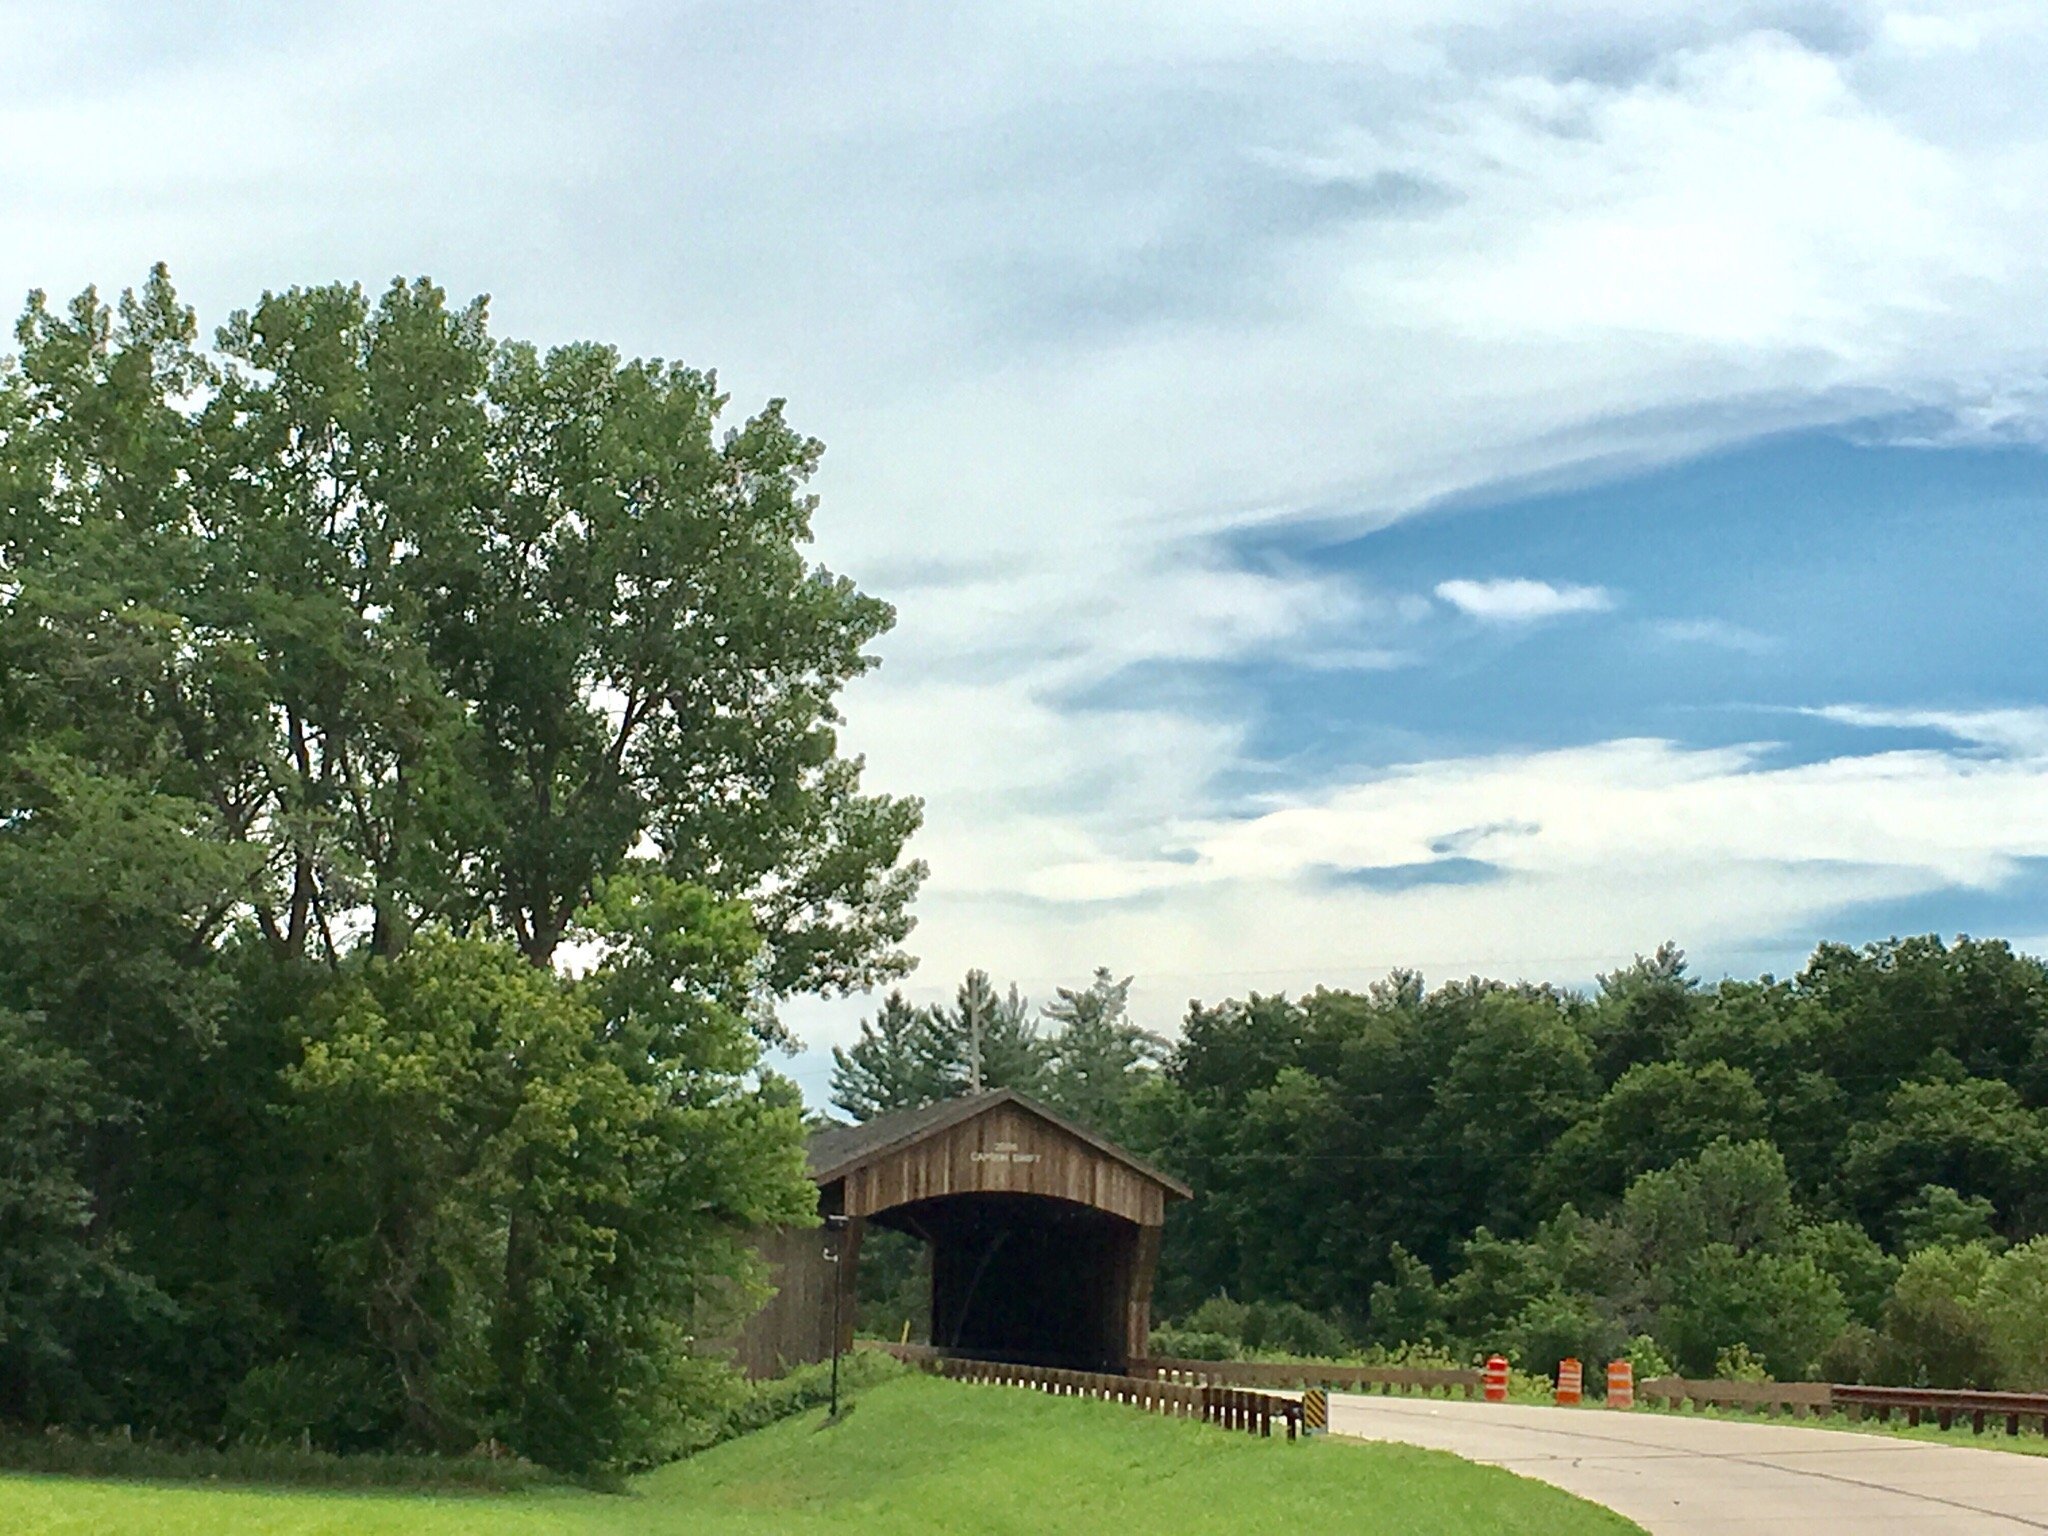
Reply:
x=1496, y=1378
x=1621, y=1384
x=1570, y=1383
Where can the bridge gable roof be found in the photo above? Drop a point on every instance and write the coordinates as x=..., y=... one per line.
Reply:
x=842, y=1150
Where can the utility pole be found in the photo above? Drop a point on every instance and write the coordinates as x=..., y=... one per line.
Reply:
x=974, y=1037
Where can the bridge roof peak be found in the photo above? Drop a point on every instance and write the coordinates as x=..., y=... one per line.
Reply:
x=841, y=1150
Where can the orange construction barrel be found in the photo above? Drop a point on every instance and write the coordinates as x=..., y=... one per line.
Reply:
x=1621, y=1384
x=1570, y=1383
x=1496, y=1378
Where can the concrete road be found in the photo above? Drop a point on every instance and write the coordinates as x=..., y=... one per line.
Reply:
x=1719, y=1477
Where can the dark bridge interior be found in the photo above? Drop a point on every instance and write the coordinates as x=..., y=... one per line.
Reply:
x=1025, y=1278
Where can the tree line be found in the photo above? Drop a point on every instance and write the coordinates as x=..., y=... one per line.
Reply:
x=357, y=671
x=1840, y=1173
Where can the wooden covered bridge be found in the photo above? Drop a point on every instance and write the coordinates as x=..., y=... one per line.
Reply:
x=1044, y=1236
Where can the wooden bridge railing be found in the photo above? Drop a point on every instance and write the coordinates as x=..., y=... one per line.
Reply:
x=1798, y=1398
x=1946, y=1407
x=1383, y=1379
x=1230, y=1407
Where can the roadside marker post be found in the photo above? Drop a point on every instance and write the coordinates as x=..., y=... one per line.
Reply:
x=1315, y=1410
x=1570, y=1383
x=1621, y=1384
x=1496, y=1379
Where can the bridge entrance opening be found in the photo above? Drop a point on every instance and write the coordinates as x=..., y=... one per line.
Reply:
x=1024, y=1278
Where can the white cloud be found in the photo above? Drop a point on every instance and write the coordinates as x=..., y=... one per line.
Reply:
x=1077, y=293
x=1517, y=600
x=1599, y=852
x=2021, y=732
x=1718, y=633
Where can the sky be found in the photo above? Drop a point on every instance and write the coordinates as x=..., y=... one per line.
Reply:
x=1459, y=484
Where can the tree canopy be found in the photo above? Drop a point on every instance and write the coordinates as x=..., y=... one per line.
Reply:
x=351, y=667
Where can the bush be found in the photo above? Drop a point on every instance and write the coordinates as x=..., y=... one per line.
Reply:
x=1219, y=1314
x=337, y=1403
x=763, y=1403
x=72, y=1455
x=1936, y=1333
x=1647, y=1360
x=1287, y=1328
x=1782, y=1311
x=1856, y=1355
x=1736, y=1363
x=1563, y=1326
x=2014, y=1305
x=1191, y=1344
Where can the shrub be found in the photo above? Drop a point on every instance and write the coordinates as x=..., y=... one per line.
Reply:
x=1563, y=1326
x=1736, y=1363
x=1287, y=1328
x=763, y=1403
x=1191, y=1344
x=1783, y=1311
x=1936, y=1333
x=2014, y=1306
x=337, y=1403
x=1856, y=1355
x=74, y=1455
x=1219, y=1314
x=1647, y=1360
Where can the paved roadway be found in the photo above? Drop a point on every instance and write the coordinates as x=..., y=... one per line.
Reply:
x=1719, y=1477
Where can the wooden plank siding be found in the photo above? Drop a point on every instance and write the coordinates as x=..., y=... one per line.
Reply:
x=999, y=1145
x=795, y=1326
x=1007, y=1150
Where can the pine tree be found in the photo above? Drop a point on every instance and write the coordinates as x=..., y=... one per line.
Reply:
x=1100, y=1054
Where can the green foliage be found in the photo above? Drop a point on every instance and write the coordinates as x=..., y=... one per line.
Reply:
x=1258, y=1330
x=1098, y=1053
x=1194, y=1344
x=1938, y=1217
x=1561, y=1326
x=2014, y=1304
x=1936, y=1332
x=1783, y=1309
x=1860, y=1268
x=1082, y=1054
x=1647, y=1358
x=54, y=1454
x=1737, y=1363
x=348, y=669
x=758, y=1404
x=893, y=1286
x=337, y=1403
x=906, y=1057
x=1483, y=1166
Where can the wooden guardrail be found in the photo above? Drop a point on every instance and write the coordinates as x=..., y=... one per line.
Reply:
x=1801, y=1399
x=1383, y=1379
x=1209, y=1390
x=1945, y=1408
x=1228, y=1407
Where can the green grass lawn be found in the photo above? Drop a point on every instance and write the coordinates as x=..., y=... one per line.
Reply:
x=916, y=1455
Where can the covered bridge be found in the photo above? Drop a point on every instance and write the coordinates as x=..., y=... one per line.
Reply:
x=1044, y=1236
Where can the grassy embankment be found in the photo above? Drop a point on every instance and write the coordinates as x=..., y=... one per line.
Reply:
x=916, y=1455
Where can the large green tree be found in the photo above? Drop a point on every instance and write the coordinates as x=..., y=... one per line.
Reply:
x=350, y=666
x=444, y=627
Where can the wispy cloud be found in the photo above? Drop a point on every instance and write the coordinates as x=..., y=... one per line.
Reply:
x=1718, y=633
x=1518, y=600
x=2020, y=732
